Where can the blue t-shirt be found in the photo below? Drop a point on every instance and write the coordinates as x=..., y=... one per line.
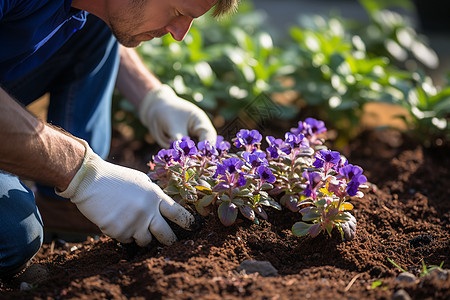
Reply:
x=32, y=31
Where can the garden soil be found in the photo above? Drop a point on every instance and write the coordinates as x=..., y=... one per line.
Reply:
x=403, y=219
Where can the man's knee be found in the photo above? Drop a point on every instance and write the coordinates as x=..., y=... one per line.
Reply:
x=20, y=249
x=21, y=228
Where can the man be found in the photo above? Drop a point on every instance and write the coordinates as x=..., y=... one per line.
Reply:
x=69, y=49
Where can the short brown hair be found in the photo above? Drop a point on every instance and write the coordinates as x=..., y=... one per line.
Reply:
x=223, y=7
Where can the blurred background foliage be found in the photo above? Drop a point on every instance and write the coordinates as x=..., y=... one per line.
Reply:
x=326, y=67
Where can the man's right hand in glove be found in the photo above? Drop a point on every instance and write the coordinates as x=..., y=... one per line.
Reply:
x=123, y=202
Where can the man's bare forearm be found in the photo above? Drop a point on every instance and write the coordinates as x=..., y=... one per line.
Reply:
x=35, y=150
x=134, y=80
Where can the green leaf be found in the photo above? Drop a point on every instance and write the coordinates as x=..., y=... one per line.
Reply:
x=188, y=195
x=312, y=214
x=189, y=174
x=315, y=230
x=261, y=212
x=238, y=201
x=227, y=212
x=244, y=193
x=300, y=228
x=321, y=202
x=376, y=284
x=203, y=189
x=247, y=212
x=268, y=201
x=306, y=210
x=225, y=197
x=329, y=227
x=205, y=73
x=172, y=190
x=290, y=201
x=349, y=227
x=266, y=186
x=396, y=265
x=442, y=107
x=202, y=210
x=287, y=161
x=344, y=216
x=176, y=169
x=205, y=200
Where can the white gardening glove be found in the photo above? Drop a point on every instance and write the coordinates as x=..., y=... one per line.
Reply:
x=169, y=117
x=123, y=202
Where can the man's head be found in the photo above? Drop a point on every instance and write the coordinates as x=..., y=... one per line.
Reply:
x=135, y=21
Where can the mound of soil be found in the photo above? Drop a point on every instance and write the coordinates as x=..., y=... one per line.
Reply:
x=404, y=218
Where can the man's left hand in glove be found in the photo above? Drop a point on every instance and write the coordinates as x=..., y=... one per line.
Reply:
x=167, y=116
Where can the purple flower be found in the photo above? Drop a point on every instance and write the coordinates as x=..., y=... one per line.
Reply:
x=326, y=158
x=242, y=180
x=354, y=175
x=292, y=139
x=206, y=149
x=165, y=157
x=274, y=146
x=221, y=145
x=229, y=166
x=342, y=163
x=313, y=180
x=296, y=140
x=186, y=146
x=350, y=171
x=255, y=159
x=265, y=174
x=247, y=137
x=310, y=127
x=315, y=126
x=353, y=185
x=230, y=181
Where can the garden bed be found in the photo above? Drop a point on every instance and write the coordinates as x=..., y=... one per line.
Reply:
x=404, y=216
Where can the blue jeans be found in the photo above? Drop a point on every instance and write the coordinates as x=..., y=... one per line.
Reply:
x=80, y=78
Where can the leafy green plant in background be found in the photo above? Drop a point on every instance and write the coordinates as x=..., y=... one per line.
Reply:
x=335, y=75
x=338, y=66
x=392, y=35
x=338, y=71
x=428, y=106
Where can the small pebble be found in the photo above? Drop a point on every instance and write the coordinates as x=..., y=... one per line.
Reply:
x=264, y=268
x=439, y=274
x=35, y=274
x=401, y=295
x=406, y=277
x=25, y=286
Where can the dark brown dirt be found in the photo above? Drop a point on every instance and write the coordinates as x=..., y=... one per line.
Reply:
x=404, y=216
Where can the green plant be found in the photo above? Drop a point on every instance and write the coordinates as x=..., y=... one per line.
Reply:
x=338, y=70
x=396, y=265
x=428, y=107
x=392, y=35
x=426, y=269
x=335, y=74
x=376, y=284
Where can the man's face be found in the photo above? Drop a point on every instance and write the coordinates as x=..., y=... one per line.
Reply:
x=136, y=21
